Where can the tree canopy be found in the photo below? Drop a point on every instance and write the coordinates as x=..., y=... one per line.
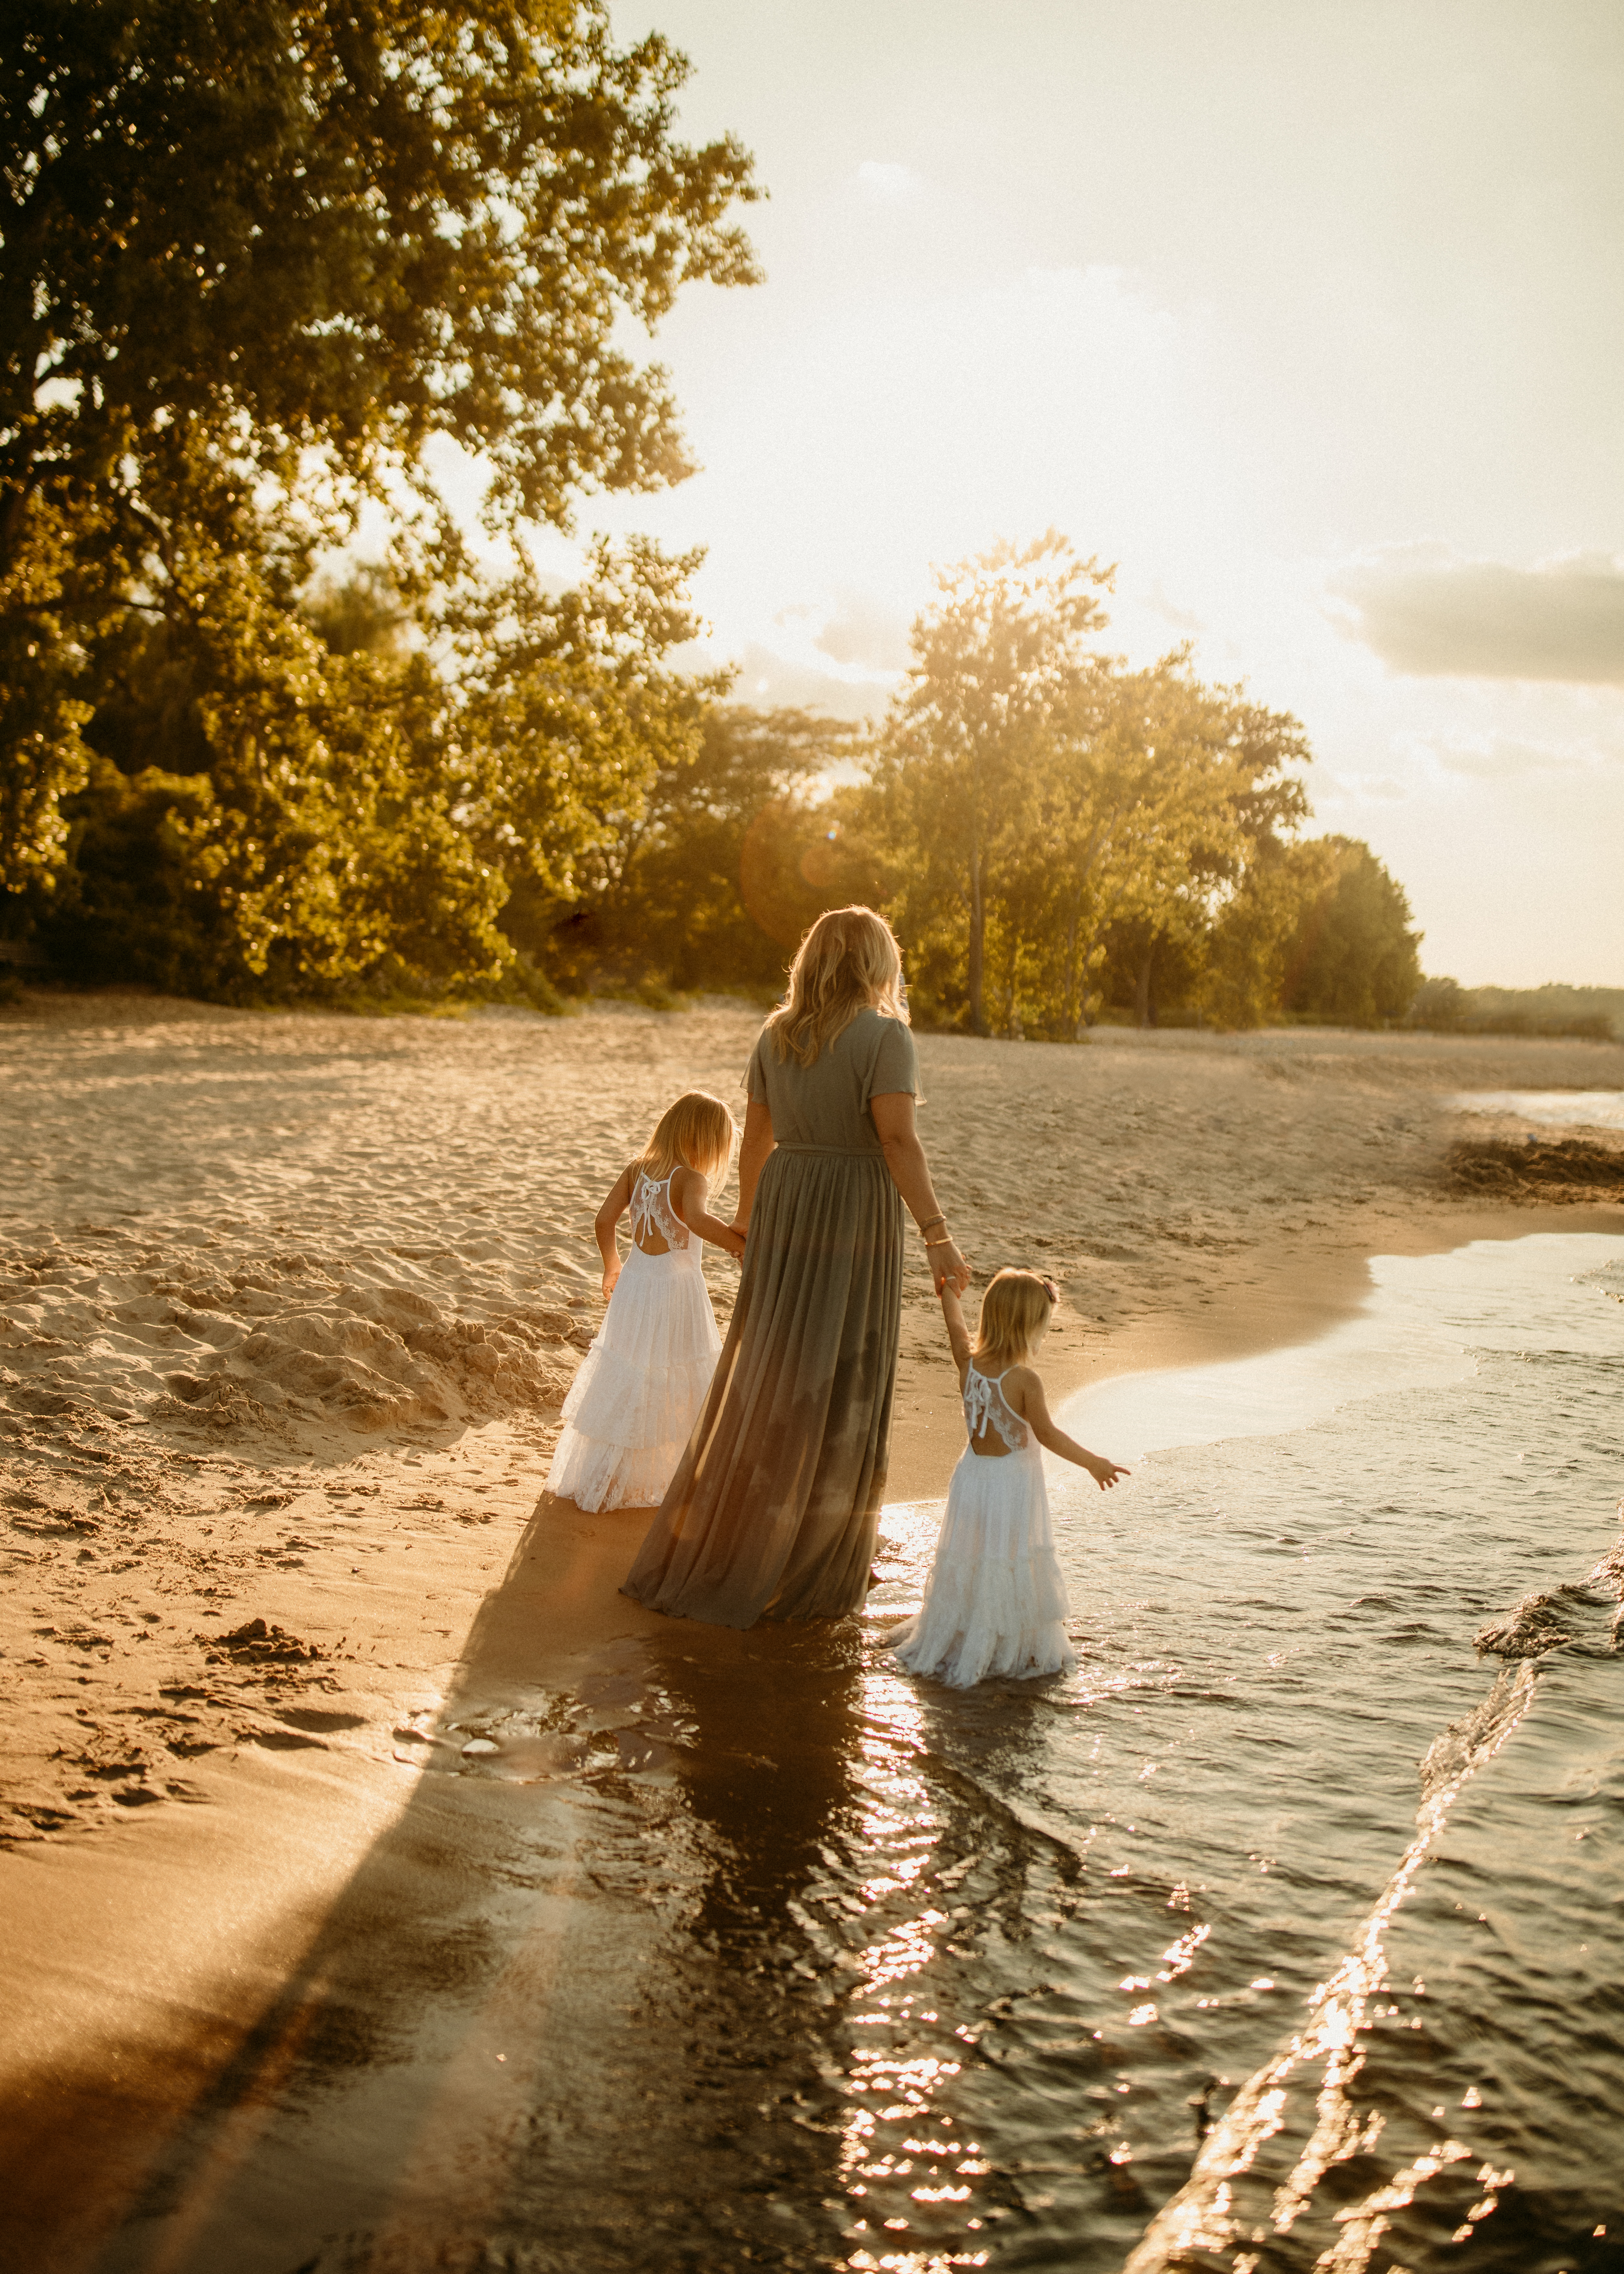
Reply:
x=254, y=262
x=323, y=227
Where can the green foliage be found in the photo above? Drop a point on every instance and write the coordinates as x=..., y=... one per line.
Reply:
x=1056, y=821
x=1352, y=956
x=1583, y=1013
x=252, y=263
x=730, y=858
x=42, y=754
x=1001, y=670
x=315, y=227
x=367, y=804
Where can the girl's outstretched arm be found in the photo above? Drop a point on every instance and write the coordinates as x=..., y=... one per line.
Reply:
x=957, y=1333
x=1025, y=1392
x=604, y=1222
x=689, y=1192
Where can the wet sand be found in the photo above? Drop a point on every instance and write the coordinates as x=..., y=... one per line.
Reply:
x=291, y=1302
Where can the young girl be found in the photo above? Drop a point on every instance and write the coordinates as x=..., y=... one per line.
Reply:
x=639, y=1387
x=994, y=1601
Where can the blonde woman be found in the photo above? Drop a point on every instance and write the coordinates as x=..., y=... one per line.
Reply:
x=774, y=1507
x=631, y=1407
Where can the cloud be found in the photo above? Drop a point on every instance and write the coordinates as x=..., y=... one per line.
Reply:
x=891, y=183
x=1497, y=758
x=767, y=680
x=863, y=631
x=1430, y=615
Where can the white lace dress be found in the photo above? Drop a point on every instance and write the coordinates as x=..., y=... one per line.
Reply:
x=995, y=1602
x=637, y=1395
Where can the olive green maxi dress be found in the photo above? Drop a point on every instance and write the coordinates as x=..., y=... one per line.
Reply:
x=775, y=1505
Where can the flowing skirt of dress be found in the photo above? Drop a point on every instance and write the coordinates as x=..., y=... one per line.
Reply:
x=640, y=1387
x=774, y=1509
x=995, y=1599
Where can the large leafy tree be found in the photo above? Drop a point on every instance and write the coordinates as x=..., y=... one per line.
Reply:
x=1352, y=955
x=1003, y=656
x=732, y=855
x=345, y=228
x=293, y=244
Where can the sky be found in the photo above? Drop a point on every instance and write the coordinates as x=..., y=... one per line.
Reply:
x=1308, y=314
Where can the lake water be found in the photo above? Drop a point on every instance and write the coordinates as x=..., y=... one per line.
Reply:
x=919, y=1980
x=1548, y=1108
x=1206, y=1843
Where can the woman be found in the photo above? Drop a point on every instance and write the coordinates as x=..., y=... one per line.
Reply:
x=774, y=1507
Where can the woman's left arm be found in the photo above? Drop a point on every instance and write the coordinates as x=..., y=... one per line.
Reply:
x=905, y=1157
x=754, y=1146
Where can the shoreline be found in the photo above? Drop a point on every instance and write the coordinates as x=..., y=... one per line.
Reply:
x=163, y=1961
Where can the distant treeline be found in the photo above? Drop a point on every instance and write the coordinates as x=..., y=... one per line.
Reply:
x=258, y=264
x=365, y=795
x=360, y=796
x=1587, y=1013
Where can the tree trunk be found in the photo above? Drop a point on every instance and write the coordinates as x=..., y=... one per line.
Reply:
x=1142, y=1013
x=978, y=933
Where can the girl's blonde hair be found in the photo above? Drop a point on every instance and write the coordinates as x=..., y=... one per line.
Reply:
x=1016, y=1305
x=696, y=1133
x=848, y=961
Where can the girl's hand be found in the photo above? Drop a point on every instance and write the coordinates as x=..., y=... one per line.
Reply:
x=1104, y=1473
x=948, y=1268
x=735, y=1245
x=609, y=1276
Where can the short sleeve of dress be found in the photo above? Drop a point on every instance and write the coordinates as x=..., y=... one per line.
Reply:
x=756, y=1076
x=895, y=1066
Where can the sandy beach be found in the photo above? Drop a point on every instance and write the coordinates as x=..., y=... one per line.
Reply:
x=291, y=1304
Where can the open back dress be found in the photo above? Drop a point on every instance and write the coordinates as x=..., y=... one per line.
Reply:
x=995, y=1599
x=633, y=1402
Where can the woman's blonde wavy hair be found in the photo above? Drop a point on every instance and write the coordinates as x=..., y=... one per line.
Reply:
x=847, y=962
x=696, y=1133
x=1016, y=1305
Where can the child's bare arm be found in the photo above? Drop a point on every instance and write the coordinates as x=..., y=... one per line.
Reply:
x=604, y=1222
x=1025, y=1392
x=689, y=1192
x=957, y=1333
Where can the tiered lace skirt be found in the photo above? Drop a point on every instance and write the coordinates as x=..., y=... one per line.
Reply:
x=995, y=1602
x=638, y=1393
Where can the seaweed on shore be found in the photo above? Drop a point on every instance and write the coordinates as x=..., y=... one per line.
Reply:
x=1576, y=1168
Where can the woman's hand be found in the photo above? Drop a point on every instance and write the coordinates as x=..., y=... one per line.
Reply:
x=948, y=1268
x=735, y=1245
x=612, y=1273
x=1104, y=1473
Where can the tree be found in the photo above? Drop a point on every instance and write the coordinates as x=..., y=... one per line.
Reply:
x=996, y=661
x=1352, y=956
x=378, y=797
x=730, y=859
x=1205, y=917
x=296, y=243
x=1124, y=813
x=313, y=226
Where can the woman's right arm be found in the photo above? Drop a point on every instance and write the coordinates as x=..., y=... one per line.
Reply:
x=905, y=1157
x=754, y=1147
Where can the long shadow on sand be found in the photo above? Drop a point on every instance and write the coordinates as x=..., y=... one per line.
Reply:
x=553, y=2019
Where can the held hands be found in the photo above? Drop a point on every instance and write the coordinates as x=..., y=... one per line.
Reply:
x=948, y=1268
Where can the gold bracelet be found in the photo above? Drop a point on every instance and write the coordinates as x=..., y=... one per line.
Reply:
x=930, y=1221
x=939, y=1242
